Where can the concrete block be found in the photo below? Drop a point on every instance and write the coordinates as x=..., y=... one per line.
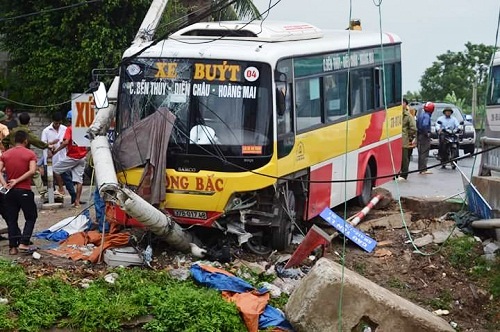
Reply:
x=314, y=305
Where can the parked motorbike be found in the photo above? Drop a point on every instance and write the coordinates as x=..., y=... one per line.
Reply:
x=449, y=139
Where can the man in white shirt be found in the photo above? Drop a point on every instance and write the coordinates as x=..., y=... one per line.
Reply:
x=53, y=134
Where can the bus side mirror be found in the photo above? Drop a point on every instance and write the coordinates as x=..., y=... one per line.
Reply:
x=280, y=101
x=100, y=95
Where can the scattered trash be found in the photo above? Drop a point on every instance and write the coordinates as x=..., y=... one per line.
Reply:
x=453, y=324
x=36, y=255
x=123, y=256
x=85, y=283
x=292, y=273
x=3, y=300
x=297, y=238
x=111, y=278
x=180, y=274
x=197, y=251
x=423, y=241
x=491, y=248
x=286, y=285
x=147, y=255
x=441, y=312
x=382, y=253
x=274, y=290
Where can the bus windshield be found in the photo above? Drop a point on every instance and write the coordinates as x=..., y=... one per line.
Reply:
x=495, y=86
x=222, y=107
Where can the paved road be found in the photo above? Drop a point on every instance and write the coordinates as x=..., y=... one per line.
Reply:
x=441, y=183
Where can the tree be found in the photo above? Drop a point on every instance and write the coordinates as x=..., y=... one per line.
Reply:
x=458, y=72
x=53, y=52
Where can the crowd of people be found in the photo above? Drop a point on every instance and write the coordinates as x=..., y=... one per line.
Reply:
x=20, y=167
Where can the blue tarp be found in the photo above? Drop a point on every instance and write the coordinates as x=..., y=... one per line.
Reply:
x=53, y=236
x=269, y=318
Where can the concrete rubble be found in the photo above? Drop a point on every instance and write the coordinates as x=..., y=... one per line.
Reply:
x=314, y=305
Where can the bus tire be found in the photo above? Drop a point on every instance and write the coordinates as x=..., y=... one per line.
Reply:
x=366, y=190
x=257, y=244
x=282, y=233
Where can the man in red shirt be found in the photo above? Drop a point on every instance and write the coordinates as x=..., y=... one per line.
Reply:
x=74, y=161
x=19, y=163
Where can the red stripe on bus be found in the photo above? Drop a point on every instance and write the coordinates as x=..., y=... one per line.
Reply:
x=319, y=193
x=374, y=130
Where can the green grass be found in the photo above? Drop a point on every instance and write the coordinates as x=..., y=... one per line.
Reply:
x=443, y=301
x=45, y=302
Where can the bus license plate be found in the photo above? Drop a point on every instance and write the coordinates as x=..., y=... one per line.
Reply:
x=190, y=214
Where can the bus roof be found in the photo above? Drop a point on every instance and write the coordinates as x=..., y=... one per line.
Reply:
x=258, y=41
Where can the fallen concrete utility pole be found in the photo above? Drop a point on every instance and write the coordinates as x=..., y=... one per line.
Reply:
x=134, y=205
x=486, y=223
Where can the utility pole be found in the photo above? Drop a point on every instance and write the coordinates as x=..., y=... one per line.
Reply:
x=474, y=100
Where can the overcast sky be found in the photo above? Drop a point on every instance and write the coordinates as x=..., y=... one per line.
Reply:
x=427, y=28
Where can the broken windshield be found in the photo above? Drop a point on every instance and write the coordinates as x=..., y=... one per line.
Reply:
x=223, y=108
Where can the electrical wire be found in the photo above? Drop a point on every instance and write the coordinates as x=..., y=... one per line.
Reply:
x=44, y=11
x=45, y=106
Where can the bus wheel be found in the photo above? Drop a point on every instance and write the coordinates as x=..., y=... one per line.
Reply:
x=282, y=234
x=257, y=244
x=366, y=190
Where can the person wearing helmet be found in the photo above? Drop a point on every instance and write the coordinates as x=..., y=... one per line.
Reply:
x=424, y=137
x=445, y=121
x=74, y=161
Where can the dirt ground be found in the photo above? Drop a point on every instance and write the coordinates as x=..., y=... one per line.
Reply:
x=422, y=279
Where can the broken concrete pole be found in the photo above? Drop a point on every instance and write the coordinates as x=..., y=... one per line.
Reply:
x=314, y=305
x=155, y=220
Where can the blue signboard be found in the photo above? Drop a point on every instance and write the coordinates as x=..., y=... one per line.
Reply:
x=475, y=201
x=352, y=233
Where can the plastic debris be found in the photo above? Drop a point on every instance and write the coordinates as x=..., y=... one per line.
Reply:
x=36, y=255
x=111, y=278
x=147, y=255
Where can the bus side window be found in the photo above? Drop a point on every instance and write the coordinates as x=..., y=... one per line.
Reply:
x=362, y=87
x=335, y=96
x=308, y=103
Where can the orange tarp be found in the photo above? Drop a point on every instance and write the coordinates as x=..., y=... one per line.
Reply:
x=73, y=246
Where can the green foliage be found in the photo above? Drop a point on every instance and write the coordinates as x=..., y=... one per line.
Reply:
x=279, y=302
x=60, y=48
x=443, y=301
x=184, y=307
x=457, y=72
x=394, y=282
x=460, y=252
x=42, y=303
x=453, y=99
x=175, y=306
x=413, y=96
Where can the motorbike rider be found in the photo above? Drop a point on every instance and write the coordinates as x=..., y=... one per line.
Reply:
x=445, y=121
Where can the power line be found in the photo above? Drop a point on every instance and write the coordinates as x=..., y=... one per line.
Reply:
x=43, y=11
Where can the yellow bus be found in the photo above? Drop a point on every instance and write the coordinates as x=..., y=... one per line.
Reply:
x=271, y=118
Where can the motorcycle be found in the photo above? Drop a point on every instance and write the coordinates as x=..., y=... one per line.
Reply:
x=449, y=142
